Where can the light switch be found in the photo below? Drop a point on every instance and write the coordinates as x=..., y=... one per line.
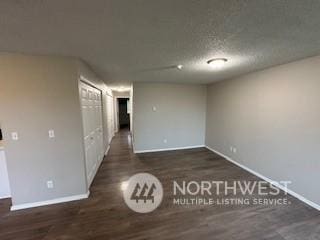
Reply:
x=50, y=184
x=154, y=108
x=51, y=133
x=14, y=136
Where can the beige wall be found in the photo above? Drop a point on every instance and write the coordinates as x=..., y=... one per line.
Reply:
x=38, y=94
x=272, y=117
x=125, y=94
x=179, y=117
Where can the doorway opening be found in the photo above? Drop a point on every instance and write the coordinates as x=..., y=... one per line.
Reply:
x=123, y=113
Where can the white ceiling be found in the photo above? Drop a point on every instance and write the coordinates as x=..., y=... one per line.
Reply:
x=140, y=40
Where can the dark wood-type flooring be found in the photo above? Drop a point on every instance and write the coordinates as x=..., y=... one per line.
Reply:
x=104, y=214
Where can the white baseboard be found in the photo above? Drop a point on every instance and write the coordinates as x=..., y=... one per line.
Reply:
x=275, y=183
x=110, y=140
x=5, y=196
x=97, y=167
x=167, y=149
x=106, y=153
x=49, y=202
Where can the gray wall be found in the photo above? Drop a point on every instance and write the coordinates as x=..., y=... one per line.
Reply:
x=38, y=94
x=179, y=115
x=272, y=117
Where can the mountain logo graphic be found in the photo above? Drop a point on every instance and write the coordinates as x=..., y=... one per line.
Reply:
x=143, y=192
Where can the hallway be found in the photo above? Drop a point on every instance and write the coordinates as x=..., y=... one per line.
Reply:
x=104, y=214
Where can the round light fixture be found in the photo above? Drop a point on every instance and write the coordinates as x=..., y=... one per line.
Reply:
x=179, y=67
x=217, y=62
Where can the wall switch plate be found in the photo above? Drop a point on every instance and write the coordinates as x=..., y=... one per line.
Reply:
x=51, y=134
x=14, y=136
x=50, y=184
x=154, y=108
x=165, y=140
x=234, y=150
x=231, y=149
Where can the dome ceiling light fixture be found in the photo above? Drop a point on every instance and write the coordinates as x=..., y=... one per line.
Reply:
x=179, y=66
x=217, y=62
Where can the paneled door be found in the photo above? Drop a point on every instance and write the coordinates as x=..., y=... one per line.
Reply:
x=92, y=127
x=110, y=116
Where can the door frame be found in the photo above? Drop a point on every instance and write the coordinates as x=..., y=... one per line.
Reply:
x=116, y=115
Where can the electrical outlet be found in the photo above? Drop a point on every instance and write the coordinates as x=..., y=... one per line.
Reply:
x=50, y=184
x=14, y=136
x=165, y=140
x=51, y=134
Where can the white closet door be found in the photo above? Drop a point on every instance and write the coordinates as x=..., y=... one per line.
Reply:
x=110, y=117
x=99, y=129
x=92, y=128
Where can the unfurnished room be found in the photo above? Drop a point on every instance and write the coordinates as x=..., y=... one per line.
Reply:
x=159, y=119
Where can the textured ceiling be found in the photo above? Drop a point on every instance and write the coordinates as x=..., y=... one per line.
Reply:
x=140, y=40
